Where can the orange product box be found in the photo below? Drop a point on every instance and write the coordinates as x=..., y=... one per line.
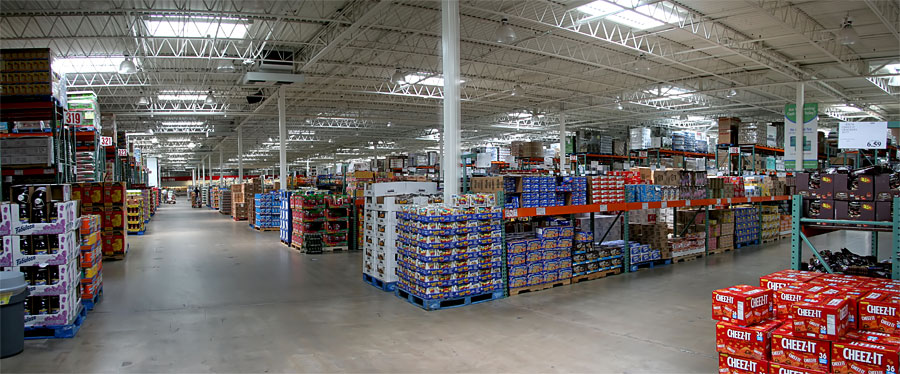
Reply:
x=837, y=280
x=787, y=296
x=750, y=342
x=853, y=296
x=802, y=276
x=92, y=194
x=873, y=337
x=855, y=357
x=776, y=282
x=88, y=258
x=878, y=312
x=114, y=193
x=114, y=244
x=791, y=349
x=729, y=364
x=776, y=368
x=742, y=305
x=818, y=317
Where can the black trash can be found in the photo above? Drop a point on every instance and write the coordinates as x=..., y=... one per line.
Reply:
x=13, y=291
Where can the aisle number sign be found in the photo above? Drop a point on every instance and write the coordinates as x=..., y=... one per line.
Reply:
x=734, y=150
x=122, y=152
x=73, y=118
x=106, y=141
x=862, y=135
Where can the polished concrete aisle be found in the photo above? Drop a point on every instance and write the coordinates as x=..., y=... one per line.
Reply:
x=202, y=293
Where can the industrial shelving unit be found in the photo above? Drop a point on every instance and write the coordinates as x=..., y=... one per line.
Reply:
x=751, y=149
x=802, y=228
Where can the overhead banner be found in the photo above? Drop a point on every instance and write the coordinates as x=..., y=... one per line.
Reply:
x=810, y=140
x=862, y=135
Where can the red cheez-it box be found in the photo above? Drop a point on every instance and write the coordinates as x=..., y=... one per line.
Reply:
x=776, y=368
x=878, y=312
x=787, y=296
x=873, y=337
x=742, y=305
x=798, y=351
x=740, y=365
x=750, y=342
x=821, y=318
x=854, y=357
x=776, y=282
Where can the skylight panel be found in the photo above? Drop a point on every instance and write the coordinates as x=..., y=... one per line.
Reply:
x=196, y=27
x=641, y=18
x=107, y=64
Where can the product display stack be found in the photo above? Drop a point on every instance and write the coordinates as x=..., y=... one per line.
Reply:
x=91, y=259
x=46, y=248
x=808, y=323
x=307, y=220
x=770, y=228
x=108, y=200
x=721, y=230
x=450, y=254
x=606, y=189
x=542, y=261
x=337, y=209
x=267, y=209
x=382, y=202
x=135, y=204
x=239, y=202
x=225, y=204
x=746, y=226
x=285, y=222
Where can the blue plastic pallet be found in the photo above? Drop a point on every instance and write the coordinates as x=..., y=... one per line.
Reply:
x=89, y=304
x=438, y=304
x=56, y=332
x=137, y=233
x=379, y=284
x=650, y=264
x=741, y=245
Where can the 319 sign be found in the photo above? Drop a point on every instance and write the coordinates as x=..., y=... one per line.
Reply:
x=73, y=118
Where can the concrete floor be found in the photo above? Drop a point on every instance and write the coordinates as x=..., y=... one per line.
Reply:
x=202, y=293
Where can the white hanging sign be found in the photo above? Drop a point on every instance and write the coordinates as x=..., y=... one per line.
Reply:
x=862, y=135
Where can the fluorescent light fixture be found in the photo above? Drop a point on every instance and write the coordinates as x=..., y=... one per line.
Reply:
x=67, y=65
x=424, y=79
x=669, y=93
x=197, y=27
x=181, y=97
x=846, y=108
x=183, y=123
x=519, y=115
x=640, y=18
x=301, y=132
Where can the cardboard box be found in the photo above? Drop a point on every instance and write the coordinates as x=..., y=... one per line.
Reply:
x=776, y=368
x=854, y=357
x=742, y=305
x=861, y=188
x=728, y=130
x=69, y=307
x=878, y=312
x=786, y=296
x=882, y=188
x=729, y=364
x=56, y=279
x=824, y=189
x=114, y=244
x=791, y=349
x=854, y=210
x=884, y=211
x=749, y=342
x=873, y=337
x=825, y=318
x=821, y=209
x=67, y=220
x=853, y=296
x=5, y=224
x=776, y=282
x=114, y=193
x=67, y=250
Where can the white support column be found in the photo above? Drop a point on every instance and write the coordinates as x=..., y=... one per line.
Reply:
x=221, y=169
x=240, y=155
x=203, y=170
x=282, y=140
x=798, y=122
x=562, y=144
x=193, y=177
x=210, y=170
x=451, y=136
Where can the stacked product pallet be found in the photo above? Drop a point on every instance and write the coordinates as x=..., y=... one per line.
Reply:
x=542, y=261
x=85, y=103
x=808, y=323
x=383, y=201
x=154, y=200
x=784, y=226
x=285, y=217
x=225, y=201
x=135, y=205
x=607, y=189
x=652, y=234
x=746, y=226
x=214, y=197
x=308, y=217
x=46, y=248
x=721, y=230
x=692, y=243
x=442, y=267
x=240, y=201
x=91, y=258
x=267, y=209
x=596, y=260
x=107, y=200
x=337, y=210
x=204, y=195
x=771, y=223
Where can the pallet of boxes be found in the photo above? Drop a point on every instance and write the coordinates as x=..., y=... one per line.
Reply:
x=107, y=200
x=721, y=231
x=648, y=240
x=239, y=201
x=250, y=189
x=808, y=323
x=690, y=245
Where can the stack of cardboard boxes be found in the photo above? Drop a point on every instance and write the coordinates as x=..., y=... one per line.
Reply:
x=846, y=197
x=107, y=200
x=534, y=149
x=721, y=230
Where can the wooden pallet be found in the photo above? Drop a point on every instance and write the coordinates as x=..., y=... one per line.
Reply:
x=342, y=248
x=597, y=275
x=539, y=287
x=116, y=257
x=720, y=250
x=687, y=258
x=266, y=228
x=771, y=240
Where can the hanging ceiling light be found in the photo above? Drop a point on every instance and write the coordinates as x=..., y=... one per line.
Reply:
x=210, y=99
x=848, y=35
x=517, y=89
x=683, y=117
x=398, y=77
x=505, y=33
x=225, y=66
x=127, y=67
x=619, y=106
x=732, y=92
x=642, y=64
x=191, y=145
x=143, y=100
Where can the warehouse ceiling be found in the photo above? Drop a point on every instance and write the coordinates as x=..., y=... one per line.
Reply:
x=363, y=77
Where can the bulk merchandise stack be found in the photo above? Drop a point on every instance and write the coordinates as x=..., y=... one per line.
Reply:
x=214, y=197
x=450, y=255
x=267, y=209
x=285, y=222
x=239, y=201
x=746, y=225
x=770, y=229
x=337, y=210
x=153, y=193
x=136, y=206
x=108, y=200
x=86, y=139
x=543, y=258
x=382, y=202
x=307, y=219
x=41, y=240
x=721, y=230
x=91, y=258
x=808, y=323
x=225, y=203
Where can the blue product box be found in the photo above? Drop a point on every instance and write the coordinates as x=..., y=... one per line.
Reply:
x=516, y=282
x=518, y=271
x=517, y=246
x=645, y=257
x=551, y=276
x=565, y=262
x=534, y=245
x=535, y=267
x=535, y=279
x=551, y=265
x=564, y=243
x=548, y=254
x=534, y=256
x=564, y=273
x=547, y=232
x=517, y=259
x=548, y=243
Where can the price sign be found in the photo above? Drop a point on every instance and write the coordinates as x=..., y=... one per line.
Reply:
x=122, y=152
x=106, y=141
x=511, y=213
x=734, y=150
x=642, y=154
x=72, y=118
x=541, y=211
x=862, y=135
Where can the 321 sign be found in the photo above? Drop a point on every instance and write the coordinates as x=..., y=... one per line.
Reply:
x=73, y=118
x=106, y=141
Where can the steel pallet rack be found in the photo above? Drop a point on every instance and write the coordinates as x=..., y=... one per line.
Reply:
x=801, y=226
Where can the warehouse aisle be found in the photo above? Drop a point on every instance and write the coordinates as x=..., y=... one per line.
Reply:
x=200, y=292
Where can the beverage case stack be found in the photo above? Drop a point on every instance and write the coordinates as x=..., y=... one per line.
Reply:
x=91, y=257
x=108, y=200
x=746, y=225
x=285, y=217
x=136, y=205
x=41, y=239
x=808, y=323
x=267, y=208
x=380, y=227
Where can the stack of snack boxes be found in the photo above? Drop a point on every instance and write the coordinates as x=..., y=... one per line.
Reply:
x=746, y=224
x=450, y=250
x=43, y=242
x=809, y=323
x=721, y=230
x=108, y=200
x=307, y=216
x=267, y=209
x=541, y=260
x=593, y=258
x=641, y=253
x=136, y=204
x=785, y=225
x=771, y=222
x=607, y=189
x=91, y=257
x=337, y=215
x=285, y=214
